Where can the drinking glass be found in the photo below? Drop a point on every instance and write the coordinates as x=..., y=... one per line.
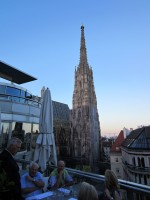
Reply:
x=60, y=196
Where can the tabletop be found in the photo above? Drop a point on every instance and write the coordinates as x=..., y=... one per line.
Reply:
x=68, y=193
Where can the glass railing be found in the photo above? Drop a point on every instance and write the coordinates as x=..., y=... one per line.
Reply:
x=20, y=100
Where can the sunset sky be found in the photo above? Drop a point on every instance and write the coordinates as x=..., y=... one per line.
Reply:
x=42, y=38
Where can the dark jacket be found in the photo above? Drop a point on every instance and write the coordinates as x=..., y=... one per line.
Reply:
x=12, y=170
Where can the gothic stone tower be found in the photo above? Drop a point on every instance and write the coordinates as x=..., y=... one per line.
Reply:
x=84, y=115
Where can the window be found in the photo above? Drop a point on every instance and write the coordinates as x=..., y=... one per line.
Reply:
x=22, y=93
x=117, y=170
x=2, y=89
x=133, y=161
x=149, y=161
x=4, y=134
x=35, y=128
x=139, y=162
x=12, y=91
x=142, y=162
x=145, y=179
x=139, y=178
x=117, y=160
x=28, y=95
x=22, y=131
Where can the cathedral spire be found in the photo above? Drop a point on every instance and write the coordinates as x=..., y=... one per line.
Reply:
x=83, y=55
x=85, y=119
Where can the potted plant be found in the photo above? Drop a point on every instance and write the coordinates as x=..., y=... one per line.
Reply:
x=6, y=186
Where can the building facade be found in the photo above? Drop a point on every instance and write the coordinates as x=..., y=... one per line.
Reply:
x=136, y=156
x=19, y=115
x=116, y=156
x=20, y=112
x=106, y=146
x=85, y=126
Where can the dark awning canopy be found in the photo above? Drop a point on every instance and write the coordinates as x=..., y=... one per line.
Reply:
x=12, y=74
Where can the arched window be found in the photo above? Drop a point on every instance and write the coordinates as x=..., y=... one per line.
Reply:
x=136, y=178
x=139, y=178
x=145, y=179
x=139, y=162
x=133, y=161
x=142, y=162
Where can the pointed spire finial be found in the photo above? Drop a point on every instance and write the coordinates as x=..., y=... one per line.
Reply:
x=83, y=56
x=82, y=27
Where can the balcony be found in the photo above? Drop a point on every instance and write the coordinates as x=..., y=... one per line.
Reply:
x=137, y=169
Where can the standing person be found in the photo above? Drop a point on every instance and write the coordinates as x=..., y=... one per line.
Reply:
x=32, y=182
x=111, y=186
x=59, y=177
x=87, y=192
x=10, y=166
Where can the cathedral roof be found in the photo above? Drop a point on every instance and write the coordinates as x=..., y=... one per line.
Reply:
x=61, y=111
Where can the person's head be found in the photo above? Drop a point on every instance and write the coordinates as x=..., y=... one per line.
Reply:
x=14, y=145
x=111, y=180
x=61, y=165
x=33, y=168
x=87, y=192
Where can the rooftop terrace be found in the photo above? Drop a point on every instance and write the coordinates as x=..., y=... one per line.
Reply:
x=129, y=190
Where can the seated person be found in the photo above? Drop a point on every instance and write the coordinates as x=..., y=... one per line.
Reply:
x=59, y=177
x=32, y=182
x=87, y=191
x=111, y=186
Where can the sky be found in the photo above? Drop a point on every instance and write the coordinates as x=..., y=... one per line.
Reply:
x=42, y=38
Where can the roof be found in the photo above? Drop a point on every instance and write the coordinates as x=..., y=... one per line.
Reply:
x=116, y=146
x=12, y=74
x=138, y=139
x=61, y=111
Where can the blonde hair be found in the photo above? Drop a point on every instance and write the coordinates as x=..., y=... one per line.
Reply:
x=87, y=192
x=111, y=181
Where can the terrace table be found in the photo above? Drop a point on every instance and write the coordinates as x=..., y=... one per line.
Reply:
x=69, y=193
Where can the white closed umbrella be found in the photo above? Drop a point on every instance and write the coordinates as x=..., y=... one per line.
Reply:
x=0, y=130
x=0, y=120
x=45, y=144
